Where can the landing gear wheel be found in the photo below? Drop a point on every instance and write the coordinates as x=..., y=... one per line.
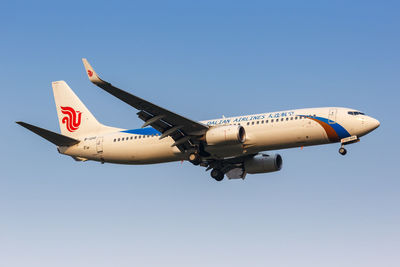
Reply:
x=194, y=158
x=217, y=175
x=342, y=151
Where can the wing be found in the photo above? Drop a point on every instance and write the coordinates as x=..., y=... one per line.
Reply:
x=183, y=131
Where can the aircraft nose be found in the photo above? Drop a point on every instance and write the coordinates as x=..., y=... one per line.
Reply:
x=372, y=124
x=375, y=123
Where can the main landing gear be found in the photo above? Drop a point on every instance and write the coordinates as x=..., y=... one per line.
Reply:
x=217, y=174
x=197, y=154
x=195, y=158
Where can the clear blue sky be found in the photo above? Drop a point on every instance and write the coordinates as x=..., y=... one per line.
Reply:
x=202, y=60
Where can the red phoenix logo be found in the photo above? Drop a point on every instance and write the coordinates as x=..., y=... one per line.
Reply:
x=90, y=73
x=72, y=120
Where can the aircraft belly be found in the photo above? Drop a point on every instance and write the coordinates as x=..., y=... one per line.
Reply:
x=86, y=149
x=270, y=138
x=225, y=151
x=147, y=152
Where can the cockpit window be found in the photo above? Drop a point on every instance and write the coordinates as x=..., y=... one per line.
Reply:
x=355, y=113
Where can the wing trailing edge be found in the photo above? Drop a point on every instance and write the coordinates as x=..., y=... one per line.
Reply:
x=184, y=131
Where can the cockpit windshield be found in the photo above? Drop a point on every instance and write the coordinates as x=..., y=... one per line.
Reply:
x=355, y=113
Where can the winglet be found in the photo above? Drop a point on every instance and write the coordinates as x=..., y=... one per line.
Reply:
x=93, y=77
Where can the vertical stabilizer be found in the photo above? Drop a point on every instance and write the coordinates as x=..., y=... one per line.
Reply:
x=74, y=118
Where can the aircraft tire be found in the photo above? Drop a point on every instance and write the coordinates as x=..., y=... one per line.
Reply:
x=342, y=151
x=217, y=174
x=194, y=158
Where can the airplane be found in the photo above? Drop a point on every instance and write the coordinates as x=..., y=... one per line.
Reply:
x=232, y=146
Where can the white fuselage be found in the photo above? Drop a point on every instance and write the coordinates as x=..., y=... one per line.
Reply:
x=266, y=131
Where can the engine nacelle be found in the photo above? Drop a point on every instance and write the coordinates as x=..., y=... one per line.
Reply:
x=226, y=135
x=263, y=163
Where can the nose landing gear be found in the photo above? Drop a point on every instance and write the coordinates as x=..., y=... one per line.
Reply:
x=347, y=141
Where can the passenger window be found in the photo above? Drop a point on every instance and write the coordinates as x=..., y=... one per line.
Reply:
x=135, y=137
x=262, y=122
x=272, y=120
x=258, y=122
x=266, y=121
x=252, y=123
x=291, y=118
x=282, y=119
x=115, y=139
x=119, y=139
x=248, y=123
x=287, y=119
x=140, y=136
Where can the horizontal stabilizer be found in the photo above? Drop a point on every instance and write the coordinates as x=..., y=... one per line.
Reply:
x=55, y=138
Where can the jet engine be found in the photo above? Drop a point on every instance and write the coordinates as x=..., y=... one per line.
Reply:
x=225, y=135
x=263, y=163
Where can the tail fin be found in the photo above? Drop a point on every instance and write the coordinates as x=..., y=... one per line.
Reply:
x=74, y=118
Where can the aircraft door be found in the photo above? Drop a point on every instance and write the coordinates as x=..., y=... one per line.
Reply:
x=99, y=145
x=332, y=115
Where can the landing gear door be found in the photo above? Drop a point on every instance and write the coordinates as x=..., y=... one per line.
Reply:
x=99, y=145
x=332, y=116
